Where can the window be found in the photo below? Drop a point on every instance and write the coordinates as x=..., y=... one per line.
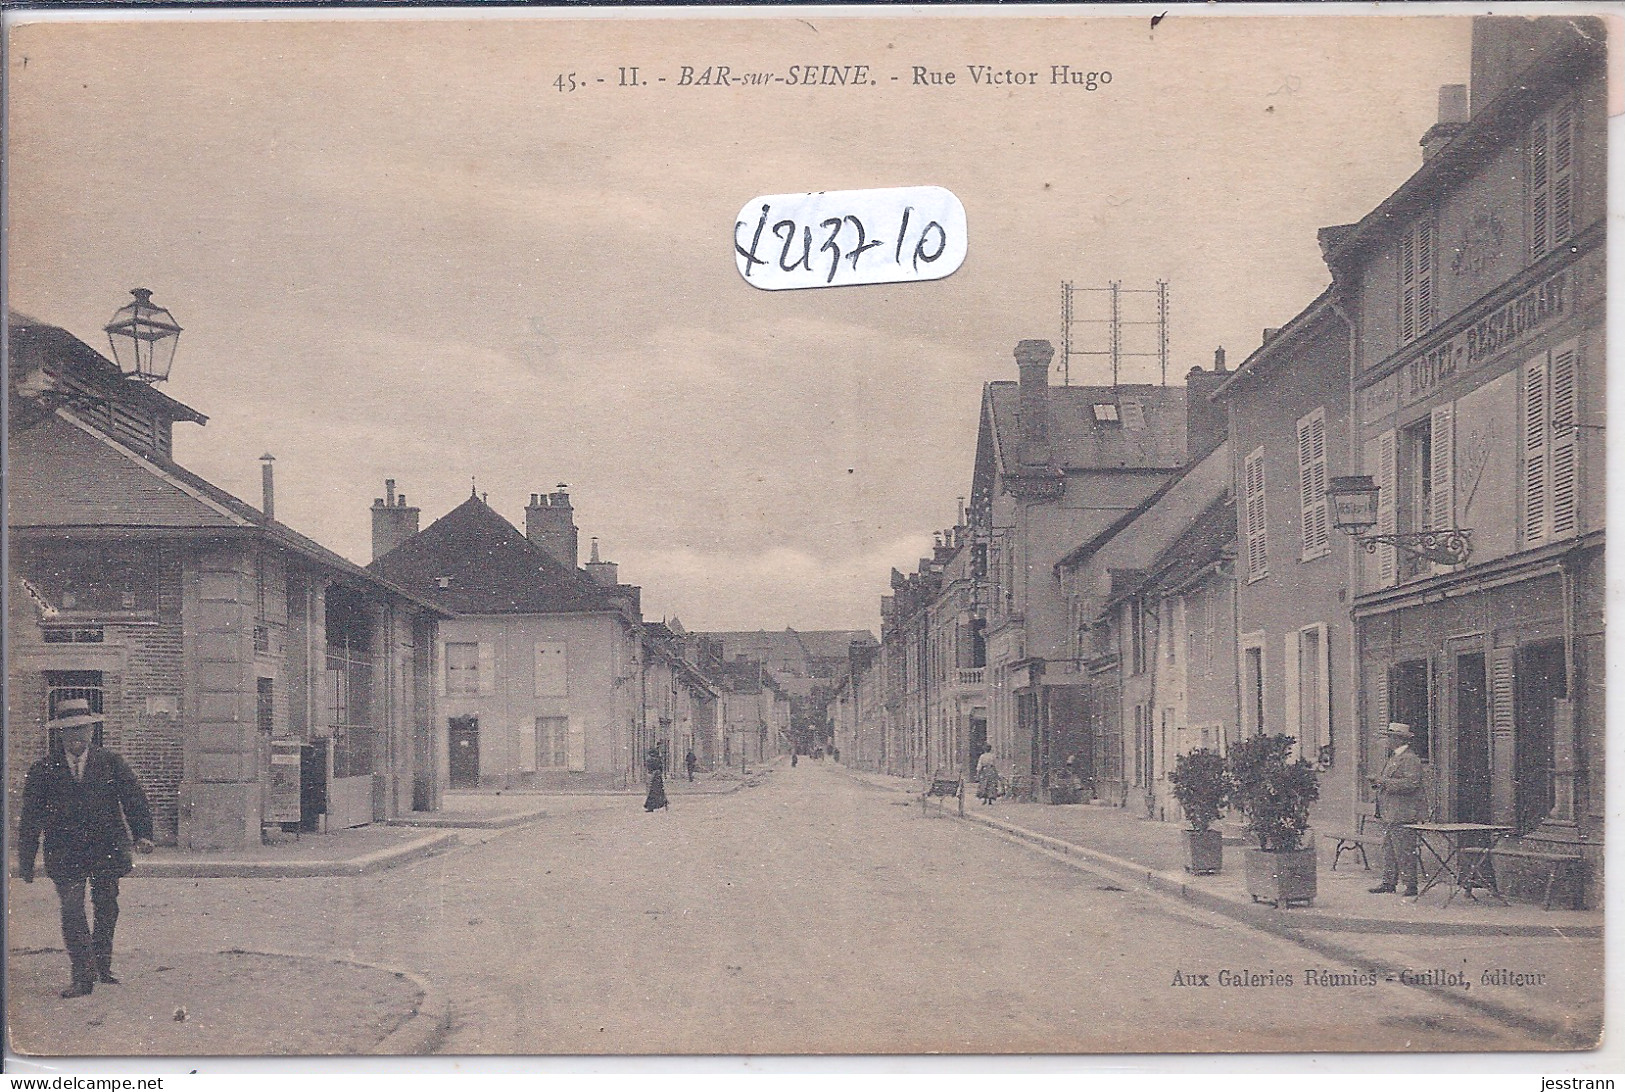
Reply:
x=1550, y=445
x=550, y=670
x=1410, y=702
x=1314, y=523
x=1308, y=664
x=1416, y=258
x=1414, y=492
x=462, y=667
x=1106, y=413
x=1253, y=516
x=1136, y=635
x=1172, y=628
x=1252, y=687
x=263, y=706
x=552, y=743
x=72, y=635
x=1551, y=181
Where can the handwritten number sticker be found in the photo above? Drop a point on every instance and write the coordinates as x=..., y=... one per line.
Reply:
x=915, y=233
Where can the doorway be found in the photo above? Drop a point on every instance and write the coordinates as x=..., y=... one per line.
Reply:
x=1472, y=789
x=1542, y=680
x=465, y=752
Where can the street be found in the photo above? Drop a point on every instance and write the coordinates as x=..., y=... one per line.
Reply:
x=813, y=913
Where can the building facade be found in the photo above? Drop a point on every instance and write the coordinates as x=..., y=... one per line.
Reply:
x=1294, y=657
x=1476, y=293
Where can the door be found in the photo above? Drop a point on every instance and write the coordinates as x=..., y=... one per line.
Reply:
x=1541, y=681
x=465, y=752
x=1472, y=732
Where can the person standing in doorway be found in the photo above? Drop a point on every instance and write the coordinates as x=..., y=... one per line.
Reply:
x=689, y=762
x=1399, y=802
x=86, y=803
x=655, y=763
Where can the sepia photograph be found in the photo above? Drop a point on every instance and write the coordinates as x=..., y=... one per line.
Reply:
x=805, y=531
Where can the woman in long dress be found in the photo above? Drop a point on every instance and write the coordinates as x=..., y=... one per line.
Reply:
x=657, y=782
x=987, y=776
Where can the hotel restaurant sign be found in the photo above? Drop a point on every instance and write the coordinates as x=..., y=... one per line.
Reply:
x=1471, y=346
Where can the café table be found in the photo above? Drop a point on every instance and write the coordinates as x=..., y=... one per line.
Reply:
x=1444, y=843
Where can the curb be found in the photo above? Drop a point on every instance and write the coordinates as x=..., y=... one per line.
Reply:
x=203, y=868
x=420, y=1033
x=495, y=822
x=1173, y=883
x=1275, y=922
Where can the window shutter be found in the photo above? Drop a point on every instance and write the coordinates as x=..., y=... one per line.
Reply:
x=1443, y=483
x=1293, y=692
x=578, y=747
x=527, y=747
x=1387, y=483
x=1374, y=739
x=1324, y=712
x=551, y=677
x=1424, y=277
x=1312, y=484
x=1407, y=288
x=1565, y=440
x=488, y=668
x=1536, y=454
x=1502, y=770
x=1257, y=544
x=1562, y=174
x=1540, y=192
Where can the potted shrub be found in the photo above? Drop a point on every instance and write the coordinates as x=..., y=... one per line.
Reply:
x=1202, y=787
x=1274, y=795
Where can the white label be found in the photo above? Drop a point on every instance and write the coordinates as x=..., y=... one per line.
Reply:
x=837, y=238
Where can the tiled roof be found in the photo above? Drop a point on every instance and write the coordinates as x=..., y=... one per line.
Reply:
x=69, y=475
x=488, y=567
x=1149, y=432
x=1203, y=541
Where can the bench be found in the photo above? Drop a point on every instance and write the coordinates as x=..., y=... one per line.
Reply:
x=1558, y=865
x=944, y=786
x=1368, y=831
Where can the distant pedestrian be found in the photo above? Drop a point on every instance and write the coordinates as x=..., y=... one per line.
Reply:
x=793, y=758
x=81, y=799
x=1399, y=802
x=689, y=762
x=987, y=776
x=655, y=763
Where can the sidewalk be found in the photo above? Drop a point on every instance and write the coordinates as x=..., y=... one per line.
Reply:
x=194, y=1004
x=1554, y=958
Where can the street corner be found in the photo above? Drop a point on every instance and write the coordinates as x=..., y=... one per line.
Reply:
x=184, y=1004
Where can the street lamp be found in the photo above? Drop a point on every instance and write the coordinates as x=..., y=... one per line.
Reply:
x=143, y=336
x=1353, y=500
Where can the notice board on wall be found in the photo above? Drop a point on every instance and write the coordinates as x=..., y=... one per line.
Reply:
x=283, y=806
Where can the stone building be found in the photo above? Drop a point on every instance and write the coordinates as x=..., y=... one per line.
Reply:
x=223, y=646
x=1477, y=298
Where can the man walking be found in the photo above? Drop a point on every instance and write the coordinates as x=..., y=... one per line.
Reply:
x=1399, y=801
x=690, y=762
x=81, y=799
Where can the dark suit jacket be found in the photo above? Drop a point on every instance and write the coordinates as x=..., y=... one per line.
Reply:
x=1399, y=789
x=83, y=823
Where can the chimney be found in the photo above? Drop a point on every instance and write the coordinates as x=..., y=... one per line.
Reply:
x=550, y=523
x=1207, y=423
x=392, y=521
x=267, y=487
x=606, y=573
x=1452, y=119
x=1032, y=360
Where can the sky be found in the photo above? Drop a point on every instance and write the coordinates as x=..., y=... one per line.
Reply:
x=403, y=248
